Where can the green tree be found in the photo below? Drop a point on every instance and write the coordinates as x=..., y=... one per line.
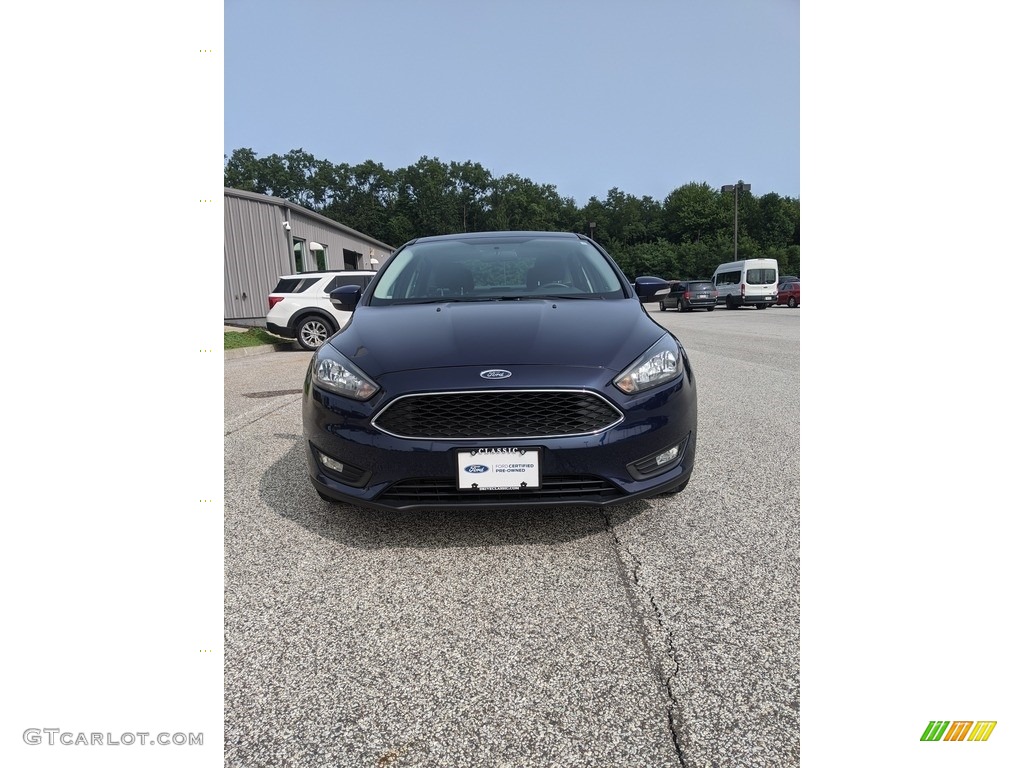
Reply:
x=596, y=212
x=430, y=191
x=432, y=197
x=629, y=220
x=242, y=171
x=324, y=183
x=367, y=198
x=659, y=258
x=471, y=183
x=773, y=222
x=693, y=212
x=698, y=260
x=299, y=167
x=519, y=204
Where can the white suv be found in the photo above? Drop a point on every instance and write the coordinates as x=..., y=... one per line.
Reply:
x=300, y=307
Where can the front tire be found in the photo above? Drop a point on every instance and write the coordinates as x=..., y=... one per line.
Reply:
x=661, y=305
x=791, y=303
x=313, y=332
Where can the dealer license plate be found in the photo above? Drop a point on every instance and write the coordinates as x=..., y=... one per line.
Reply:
x=499, y=469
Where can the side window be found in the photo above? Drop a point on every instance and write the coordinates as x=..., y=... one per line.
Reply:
x=341, y=280
x=727, y=278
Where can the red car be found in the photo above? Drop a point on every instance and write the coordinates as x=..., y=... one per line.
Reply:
x=789, y=293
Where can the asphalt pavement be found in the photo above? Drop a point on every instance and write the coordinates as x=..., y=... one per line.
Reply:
x=659, y=633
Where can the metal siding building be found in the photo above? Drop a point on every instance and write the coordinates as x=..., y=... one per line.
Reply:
x=266, y=237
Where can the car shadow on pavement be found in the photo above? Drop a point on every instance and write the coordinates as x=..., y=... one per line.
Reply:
x=285, y=489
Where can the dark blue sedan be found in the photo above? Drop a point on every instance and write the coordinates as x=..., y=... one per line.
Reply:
x=497, y=370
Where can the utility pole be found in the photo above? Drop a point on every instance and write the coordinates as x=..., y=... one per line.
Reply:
x=736, y=188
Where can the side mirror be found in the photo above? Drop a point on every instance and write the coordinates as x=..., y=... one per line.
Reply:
x=346, y=297
x=648, y=287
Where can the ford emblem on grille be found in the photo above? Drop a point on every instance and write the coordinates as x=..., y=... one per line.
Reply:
x=495, y=373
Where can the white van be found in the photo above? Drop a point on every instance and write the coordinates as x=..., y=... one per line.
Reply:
x=751, y=281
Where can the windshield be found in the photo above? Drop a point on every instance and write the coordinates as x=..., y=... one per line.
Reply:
x=497, y=268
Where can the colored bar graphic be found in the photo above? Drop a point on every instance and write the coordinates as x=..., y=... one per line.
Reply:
x=982, y=730
x=935, y=730
x=959, y=730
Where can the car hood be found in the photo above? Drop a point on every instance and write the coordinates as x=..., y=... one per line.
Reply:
x=565, y=332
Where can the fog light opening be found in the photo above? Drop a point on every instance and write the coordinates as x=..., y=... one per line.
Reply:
x=665, y=457
x=331, y=464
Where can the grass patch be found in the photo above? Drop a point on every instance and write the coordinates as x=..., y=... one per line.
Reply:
x=254, y=337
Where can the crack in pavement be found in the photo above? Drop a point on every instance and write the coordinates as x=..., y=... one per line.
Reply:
x=237, y=424
x=666, y=673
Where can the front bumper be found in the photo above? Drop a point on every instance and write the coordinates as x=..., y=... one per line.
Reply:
x=611, y=467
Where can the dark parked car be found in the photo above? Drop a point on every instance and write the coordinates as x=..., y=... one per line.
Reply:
x=687, y=295
x=494, y=370
x=789, y=292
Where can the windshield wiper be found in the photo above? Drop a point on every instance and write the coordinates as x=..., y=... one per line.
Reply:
x=440, y=300
x=512, y=297
x=581, y=296
x=461, y=299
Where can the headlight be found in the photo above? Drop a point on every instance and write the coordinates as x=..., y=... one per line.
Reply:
x=662, y=362
x=335, y=372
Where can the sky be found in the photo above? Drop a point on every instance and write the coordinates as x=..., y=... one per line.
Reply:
x=585, y=95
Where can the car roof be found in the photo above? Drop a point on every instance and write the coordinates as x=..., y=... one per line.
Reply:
x=305, y=275
x=495, y=235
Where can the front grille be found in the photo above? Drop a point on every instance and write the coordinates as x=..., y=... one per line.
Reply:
x=435, y=491
x=497, y=414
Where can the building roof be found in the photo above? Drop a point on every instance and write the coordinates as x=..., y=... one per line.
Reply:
x=288, y=204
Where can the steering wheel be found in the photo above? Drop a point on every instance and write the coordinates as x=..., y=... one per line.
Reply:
x=552, y=285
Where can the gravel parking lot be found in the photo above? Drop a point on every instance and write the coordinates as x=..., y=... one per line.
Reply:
x=661, y=633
